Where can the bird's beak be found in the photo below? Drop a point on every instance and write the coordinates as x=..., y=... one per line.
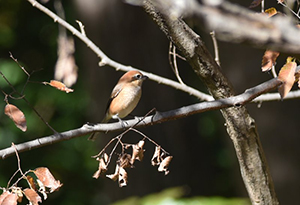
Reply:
x=145, y=77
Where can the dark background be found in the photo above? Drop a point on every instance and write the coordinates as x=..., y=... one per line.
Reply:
x=204, y=161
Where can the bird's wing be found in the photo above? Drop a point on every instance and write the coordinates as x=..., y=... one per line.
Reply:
x=117, y=89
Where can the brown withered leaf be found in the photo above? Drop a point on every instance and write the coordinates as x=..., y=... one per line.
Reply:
x=32, y=196
x=125, y=160
x=45, y=176
x=59, y=85
x=3, y=196
x=66, y=68
x=268, y=60
x=255, y=3
x=156, y=156
x=115, y=175
x=17, y=116
x=138, y=151
x=102, y=166
x=8, y=198
x=123, y=177
x=287, y=76
x=164, y=165
x=271, y=11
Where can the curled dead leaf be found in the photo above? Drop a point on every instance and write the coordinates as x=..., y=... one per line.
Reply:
x=48, y=180
x=125, y=160
x=123, y=177
x=59, y=85
x=164, y=165
x=269, y=60
x=66, y=68
x=115, y=175
x=138, y=151
x=32, y=196
x=102, y=166
x=287, y=76
x=17, y=116
x=156, y=156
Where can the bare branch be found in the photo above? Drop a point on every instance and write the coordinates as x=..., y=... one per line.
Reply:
x=105, y=60
x=234, y=23
x=159, y=117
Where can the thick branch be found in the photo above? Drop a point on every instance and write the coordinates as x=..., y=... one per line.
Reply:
x=159, y=117
x=234, y=23
x=240, y=126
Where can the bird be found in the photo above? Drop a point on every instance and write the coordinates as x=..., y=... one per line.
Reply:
x=124, y=97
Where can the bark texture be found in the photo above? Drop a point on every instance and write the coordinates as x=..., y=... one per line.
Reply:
x=240, y=126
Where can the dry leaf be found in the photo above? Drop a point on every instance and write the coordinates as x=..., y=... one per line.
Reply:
x=102, y=166
x=66, y=68
x=45, y=176
x=255, y=3
x=287, y=76
x=164, y=165
x=271, y=11
x=138, y=151
x=17, y=116
x=115, y=175
x=156, y=156
x=125, y=160
x=3, y=196
x=8, y=198
x=123, y=177
x=32, y=196
x=59, y=85
x=268, y=60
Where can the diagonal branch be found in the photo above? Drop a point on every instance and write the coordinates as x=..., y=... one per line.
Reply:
x=105, y=60
x=159, y=117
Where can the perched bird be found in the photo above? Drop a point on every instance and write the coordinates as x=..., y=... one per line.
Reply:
x=125, y=96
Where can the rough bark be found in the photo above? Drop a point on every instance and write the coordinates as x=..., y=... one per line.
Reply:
x=240, y=126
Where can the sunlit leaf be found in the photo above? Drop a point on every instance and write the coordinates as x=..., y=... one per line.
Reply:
x=138, y=151
x=156, y=156
x=123, y=177
x=32, y=196
x=8, y=198
x=268, y=60
x=45, y=176
x=102, y=166
x=271, y=11
x=65, y=68
x=17, y=116
x=59, y=85
x=164, y=165
x=287, y=76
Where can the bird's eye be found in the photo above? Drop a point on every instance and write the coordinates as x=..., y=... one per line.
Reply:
x=138, y=76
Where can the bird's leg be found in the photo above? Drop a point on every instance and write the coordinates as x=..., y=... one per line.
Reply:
x=123, y=124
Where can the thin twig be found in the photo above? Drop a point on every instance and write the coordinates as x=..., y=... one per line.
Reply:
x=173, y=63
x=216, y=47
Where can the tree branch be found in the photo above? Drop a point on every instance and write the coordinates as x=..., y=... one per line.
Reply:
x=105, y=60
x=240, y=126
x=235, y=24
x=159, y=117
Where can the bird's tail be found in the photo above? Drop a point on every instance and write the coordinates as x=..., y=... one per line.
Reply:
x=94, y=135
